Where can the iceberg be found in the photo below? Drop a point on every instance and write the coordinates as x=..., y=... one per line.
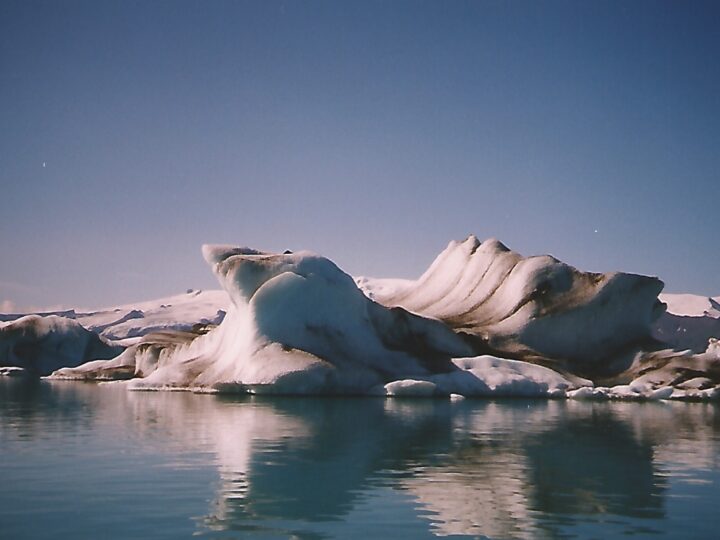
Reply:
x=481, y=321
x=181, y=312
x=138, y=360
x=689, y=322
x=532, y=308
x=40, y=345
x=298, y=324
x=126, y=324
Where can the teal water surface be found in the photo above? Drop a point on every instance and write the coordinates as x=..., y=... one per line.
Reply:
x=95, y=461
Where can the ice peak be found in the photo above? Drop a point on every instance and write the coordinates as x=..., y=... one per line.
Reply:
x=216, y=253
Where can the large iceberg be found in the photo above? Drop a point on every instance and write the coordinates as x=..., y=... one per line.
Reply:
x=297, y=324
x=532, y=308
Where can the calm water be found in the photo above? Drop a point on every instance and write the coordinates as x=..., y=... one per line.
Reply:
x=85, y=461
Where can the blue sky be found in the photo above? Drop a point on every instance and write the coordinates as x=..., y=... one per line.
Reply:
x=370, y=132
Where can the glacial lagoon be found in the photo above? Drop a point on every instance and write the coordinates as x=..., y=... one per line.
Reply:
x=82, y=460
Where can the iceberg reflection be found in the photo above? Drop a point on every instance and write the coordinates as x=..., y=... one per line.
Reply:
x=516, y=469
x=354, y=467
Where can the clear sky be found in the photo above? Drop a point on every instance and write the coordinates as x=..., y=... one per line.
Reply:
x=370, y=132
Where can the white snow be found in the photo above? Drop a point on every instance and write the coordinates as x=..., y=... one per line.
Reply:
x=179, y=312
x=692, y=305
x=382, y=286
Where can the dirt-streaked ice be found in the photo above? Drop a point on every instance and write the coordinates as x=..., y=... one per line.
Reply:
x=482, y=321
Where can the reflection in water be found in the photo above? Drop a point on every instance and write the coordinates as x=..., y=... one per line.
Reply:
x=483, y=468
x=593, y=464
x=512, y=469
x=311, y=460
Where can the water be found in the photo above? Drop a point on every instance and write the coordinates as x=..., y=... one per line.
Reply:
x=86, y=461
